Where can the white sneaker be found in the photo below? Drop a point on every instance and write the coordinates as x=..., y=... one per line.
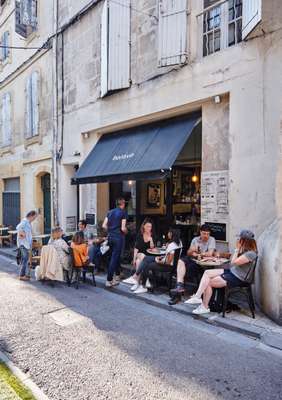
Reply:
x=148, y=284
x=134, y=287
x=130, y=281
x=201, y=310
x=193, y=300
x=141, y=290
x=112, y=283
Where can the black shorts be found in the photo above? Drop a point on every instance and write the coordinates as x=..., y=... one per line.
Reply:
x=231, y=279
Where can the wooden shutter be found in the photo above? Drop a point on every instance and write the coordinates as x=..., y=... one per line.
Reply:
x=172, y=44
x=104, y=48
x=35, y=102
x=252, y=13
x=119, y=45
x=20, y=28
x=28, y=112
x=115, y=46
x=5, y=42
x=33, y=14
x=6, y=119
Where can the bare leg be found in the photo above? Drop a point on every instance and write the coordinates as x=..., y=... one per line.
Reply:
x=140, y=258
x=205, y=281
x=181, y=271
x=217, y=282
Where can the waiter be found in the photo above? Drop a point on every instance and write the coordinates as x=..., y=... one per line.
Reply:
x=115, y=224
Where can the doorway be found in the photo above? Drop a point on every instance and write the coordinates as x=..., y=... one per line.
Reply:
x=46, y=191
x=11, y=202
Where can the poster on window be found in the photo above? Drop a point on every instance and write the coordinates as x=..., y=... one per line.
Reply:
x=214, y=197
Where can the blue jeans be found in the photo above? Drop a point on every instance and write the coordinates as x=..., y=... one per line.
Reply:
x=116, y=245
x=144, y=263
x=95, y=255
x=24, y=271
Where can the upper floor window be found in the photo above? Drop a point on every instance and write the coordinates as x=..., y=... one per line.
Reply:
x=228, y=22
x=26, y=17
x=6, y=120
x=222, y=25
x=32, y=105
x=5, y=50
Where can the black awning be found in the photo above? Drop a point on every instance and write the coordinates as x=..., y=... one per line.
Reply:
x=145, y=152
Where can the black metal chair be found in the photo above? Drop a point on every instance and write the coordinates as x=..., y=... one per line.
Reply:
x=169, y=274
x=76, y=272
x=245, y=288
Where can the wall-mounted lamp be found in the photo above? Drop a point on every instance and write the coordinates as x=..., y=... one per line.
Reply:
x=217, y=99
x=86, y=135
x=76, y=153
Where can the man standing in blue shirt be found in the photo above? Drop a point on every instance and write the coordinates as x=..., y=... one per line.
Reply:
x=115, y=224
x=24, y=243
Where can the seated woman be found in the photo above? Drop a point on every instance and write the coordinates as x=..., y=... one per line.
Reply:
x=242, y=262
x=61, y=247
x=144, y=241
x=159, y=263
x=80, y=251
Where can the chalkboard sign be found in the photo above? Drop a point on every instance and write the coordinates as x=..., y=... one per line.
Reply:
x=218, y=231
x=90, y=219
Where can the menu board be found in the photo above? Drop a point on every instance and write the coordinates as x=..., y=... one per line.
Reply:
x=214, y=197
x=71, y=224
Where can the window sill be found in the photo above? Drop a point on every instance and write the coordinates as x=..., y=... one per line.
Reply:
x=32, y=140
x=6, y=149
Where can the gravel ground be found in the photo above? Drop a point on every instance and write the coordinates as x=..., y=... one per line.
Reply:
x=111, y=347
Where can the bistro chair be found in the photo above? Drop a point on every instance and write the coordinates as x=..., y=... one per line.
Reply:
x=245, y=288
x=169, y=274
x=76, y=272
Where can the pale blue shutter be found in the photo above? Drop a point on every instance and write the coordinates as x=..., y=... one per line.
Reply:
x=6, y=119
x=119, y=45
x=5, y=42
x=35, y=102
x=172, y=43
x=28, y=112
x=104, y=48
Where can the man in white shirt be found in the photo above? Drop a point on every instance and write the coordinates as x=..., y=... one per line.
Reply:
x=24, y=243
x=203, y=245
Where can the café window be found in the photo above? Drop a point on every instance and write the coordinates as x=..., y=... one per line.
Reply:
x=222, y=25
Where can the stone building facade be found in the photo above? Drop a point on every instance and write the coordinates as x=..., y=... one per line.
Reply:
x=169, y=58
x=27, y=119
x=240, y=128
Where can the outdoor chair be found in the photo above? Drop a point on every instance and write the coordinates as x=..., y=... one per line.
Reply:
x=168, y=274
x=76, y=272
x=245, y=288
x=5, y=237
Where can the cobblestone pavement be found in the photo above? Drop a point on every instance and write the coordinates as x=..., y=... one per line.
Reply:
x=91, y=344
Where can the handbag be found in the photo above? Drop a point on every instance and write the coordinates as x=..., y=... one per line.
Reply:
x=104, y=248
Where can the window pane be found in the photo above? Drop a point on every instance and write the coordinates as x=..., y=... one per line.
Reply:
x=231, y=34
x=217, y=41
x=208, y=3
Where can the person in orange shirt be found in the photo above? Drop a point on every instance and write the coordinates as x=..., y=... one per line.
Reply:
x=80, y=251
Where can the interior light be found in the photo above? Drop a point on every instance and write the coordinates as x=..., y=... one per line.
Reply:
x=194, y=178
x=130, y=183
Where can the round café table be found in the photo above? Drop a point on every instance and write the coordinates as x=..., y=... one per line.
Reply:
x=157, y=251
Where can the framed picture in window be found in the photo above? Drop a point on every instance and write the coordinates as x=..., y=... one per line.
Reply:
x=153, y=195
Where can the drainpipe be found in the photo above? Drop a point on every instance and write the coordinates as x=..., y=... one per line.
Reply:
x=55, y=194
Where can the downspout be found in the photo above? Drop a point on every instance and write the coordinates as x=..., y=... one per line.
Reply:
x=55, y=115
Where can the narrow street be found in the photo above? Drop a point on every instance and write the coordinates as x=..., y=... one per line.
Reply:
x=94, y=344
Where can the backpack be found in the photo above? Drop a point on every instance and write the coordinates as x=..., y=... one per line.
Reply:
x=216, y=301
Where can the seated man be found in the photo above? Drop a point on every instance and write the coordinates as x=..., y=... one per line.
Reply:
x=203, y=245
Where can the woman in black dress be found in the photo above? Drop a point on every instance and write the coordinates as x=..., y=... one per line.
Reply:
x=144, y=241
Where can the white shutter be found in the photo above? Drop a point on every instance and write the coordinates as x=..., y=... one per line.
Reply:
x=172, y=44
x=33, y=16
x=35, y=102
x=252, y=13
x=28, y=112
x=6, y=119
x=104, y=49
x=119, y=45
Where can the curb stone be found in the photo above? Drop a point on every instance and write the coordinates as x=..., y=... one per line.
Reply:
x=23, y=378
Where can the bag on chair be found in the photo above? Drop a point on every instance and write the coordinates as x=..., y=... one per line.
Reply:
x=104, y=248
